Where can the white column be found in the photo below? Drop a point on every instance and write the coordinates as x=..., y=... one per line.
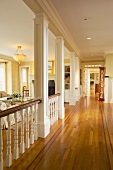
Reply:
x=59, y=74
x=85, y=80
x=106, y=90
x=1, y=145
x=77, y=78
x=111, y=101
x=72, y=78
x=41, y=71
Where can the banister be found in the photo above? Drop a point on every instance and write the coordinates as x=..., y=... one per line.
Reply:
x=54, y=95
x=18, y=108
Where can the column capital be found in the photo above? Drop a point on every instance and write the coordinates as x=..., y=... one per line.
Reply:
x=59, y=38
x=76, y=58
x=40, y=17
x=72, y=54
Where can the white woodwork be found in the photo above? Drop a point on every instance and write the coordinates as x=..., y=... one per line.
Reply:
x=32, y=127
x=111, y=101
x=36, y=122
x=106, y=90
x=66, y=95
x=9, y=153
x=73, y=78
x=22, y=144
x=1, y=146
x=53, y=109
x=59, y=74
x=25, y=117
x=57, y=23
x=16, y=148
x=41, y=71
x=27, y=128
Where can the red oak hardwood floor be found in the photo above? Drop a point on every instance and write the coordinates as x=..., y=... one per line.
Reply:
x=82, y=141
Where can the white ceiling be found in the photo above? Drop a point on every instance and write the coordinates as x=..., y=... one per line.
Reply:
x=17, y=27
x=98, y=26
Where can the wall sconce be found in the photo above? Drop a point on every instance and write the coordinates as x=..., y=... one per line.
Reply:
x=19, y=56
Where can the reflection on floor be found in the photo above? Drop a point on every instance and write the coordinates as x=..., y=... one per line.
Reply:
x=83, y=140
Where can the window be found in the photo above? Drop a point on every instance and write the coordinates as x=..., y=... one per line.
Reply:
x=2, y=77
x=24, y=75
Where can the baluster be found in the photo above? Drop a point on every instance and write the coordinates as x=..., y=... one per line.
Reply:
x=22, y=145
x=9, y=154
x=27, y=129
x=54, y=111
x=49, y=108
x=50, y=112
x=36, y=121
x=16, y=148
x=32, y=127
x=1, y=146
x=56, y=108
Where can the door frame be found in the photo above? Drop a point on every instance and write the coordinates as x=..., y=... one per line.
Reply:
x=20, y=77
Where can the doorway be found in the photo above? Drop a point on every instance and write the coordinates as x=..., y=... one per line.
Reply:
x=24, y=78
x=94, y=81
x=92, y=84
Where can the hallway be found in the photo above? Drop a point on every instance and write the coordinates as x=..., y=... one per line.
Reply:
x=83, y=141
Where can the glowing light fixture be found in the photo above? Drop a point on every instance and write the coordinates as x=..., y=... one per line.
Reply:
x=19, y=56
x=88, y=38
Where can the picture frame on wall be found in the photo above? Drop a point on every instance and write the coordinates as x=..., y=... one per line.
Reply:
x=51, y=67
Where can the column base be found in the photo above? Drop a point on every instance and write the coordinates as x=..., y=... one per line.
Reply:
x=72, y=101
x=77, y=98
x=16, y=153
x=61, y=113
x=43, y=128
x=1, y=164
x=22, y=147
x=8, y=160
x=111, y=101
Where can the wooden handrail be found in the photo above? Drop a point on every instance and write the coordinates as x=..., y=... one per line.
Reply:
x=54, y=95
x=9, y=111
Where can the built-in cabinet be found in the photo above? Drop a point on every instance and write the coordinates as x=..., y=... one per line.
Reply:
x=67, y=83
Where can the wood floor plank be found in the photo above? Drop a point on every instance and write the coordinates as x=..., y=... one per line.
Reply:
x=82, y=141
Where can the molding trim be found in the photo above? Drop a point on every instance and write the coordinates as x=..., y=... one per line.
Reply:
x=56, y=25
x=53, y=15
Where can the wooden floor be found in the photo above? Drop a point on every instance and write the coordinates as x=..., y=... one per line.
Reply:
x=82, y=141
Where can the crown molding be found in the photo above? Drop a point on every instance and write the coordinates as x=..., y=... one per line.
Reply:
x=56, y=20
x=56, y=25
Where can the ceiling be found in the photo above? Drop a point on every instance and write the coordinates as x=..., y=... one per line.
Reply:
x=88, y=18
x=83, y=19
x=17, y=28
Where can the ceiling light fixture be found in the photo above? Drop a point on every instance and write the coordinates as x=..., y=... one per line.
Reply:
x=19, y=56
x=89, y=38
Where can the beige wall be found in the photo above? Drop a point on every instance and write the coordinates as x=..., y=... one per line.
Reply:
x=9, y=77
x=109, y=65
x=15, y=77
x=12, y=77
x=31, y=64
